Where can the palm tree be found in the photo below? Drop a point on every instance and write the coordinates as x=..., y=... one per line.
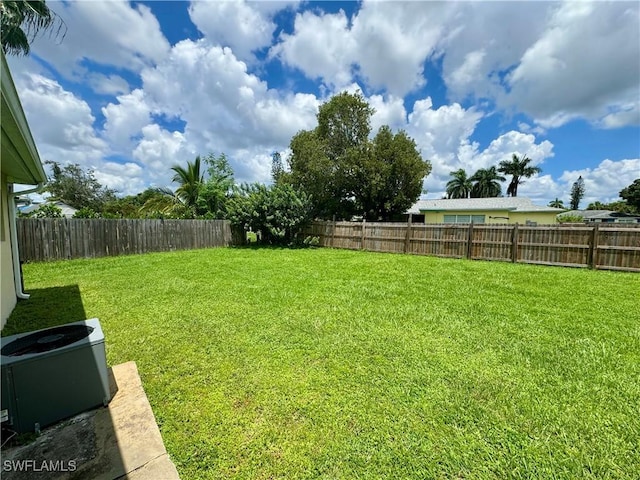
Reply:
x=460, y=185
x=486, y=183
x=518, y=168
x=557, y=203
x=21, y=22
x=161, y=200
x=190, y=180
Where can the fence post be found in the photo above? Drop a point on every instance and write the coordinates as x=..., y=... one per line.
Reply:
x=470, y=240
x=407, y=238
x=592, y=256
x=514, y=244
x=364, y=225
x=333, y=231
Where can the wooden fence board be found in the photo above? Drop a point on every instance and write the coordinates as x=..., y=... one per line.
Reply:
x=600, y=246
x=618, y=248
x=612, y=247
x=64, y=238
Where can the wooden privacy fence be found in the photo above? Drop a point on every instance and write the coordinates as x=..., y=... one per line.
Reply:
x=65, y=238
x=601, y=246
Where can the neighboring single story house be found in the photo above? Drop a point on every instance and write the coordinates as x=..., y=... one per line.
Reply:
x=67, y=210
x=485, y=210
x=604, y=216
x=20, y=163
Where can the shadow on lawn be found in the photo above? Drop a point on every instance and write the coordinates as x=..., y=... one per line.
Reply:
x=263, y=246
x=97, y=440
x=47, y=307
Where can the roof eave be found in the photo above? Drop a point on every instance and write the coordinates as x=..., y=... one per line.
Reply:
x=21, y=160
x=462, y=209
x=541, y=210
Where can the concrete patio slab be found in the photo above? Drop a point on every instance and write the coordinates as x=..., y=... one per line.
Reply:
x=121, y=441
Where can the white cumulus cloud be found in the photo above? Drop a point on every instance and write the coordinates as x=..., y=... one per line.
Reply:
x=242, y=26
x=321, y=46
x=73, y=140
x=111, y=33
x=126, y=118
x=158, y=150
x=604, y=182
x=544, y=64
x=107, y=84
x=226, y=109
x=441, y=134
x=586, y=62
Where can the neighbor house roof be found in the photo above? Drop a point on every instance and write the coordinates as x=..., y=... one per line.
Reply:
x=601, y=214
x=67, y=210
x=20, y=159
x=514, y=204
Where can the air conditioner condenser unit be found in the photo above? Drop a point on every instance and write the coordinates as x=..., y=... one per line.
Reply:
x=52, y=374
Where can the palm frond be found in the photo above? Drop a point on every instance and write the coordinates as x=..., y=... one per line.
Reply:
x=21, y=21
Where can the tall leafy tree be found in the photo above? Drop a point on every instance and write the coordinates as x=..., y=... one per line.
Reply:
x=344, y=123
x=216, y=188
x=460, y=185
x=347, y=174
x=21, y=21
x=190, y=180
x=597, y=205
x=276, y=166
x=486, y=183
x=279, y=174
x=388, y=175
x=125, y=207
x=518, y=168
x=620, y=206
x=408, y=170
x=77, y=188
x=577, y=193
x=313, y=172
x=631, y=194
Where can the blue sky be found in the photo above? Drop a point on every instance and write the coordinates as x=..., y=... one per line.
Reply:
x=136, y=87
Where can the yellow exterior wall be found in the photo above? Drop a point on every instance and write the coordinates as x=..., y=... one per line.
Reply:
x=432, y=217
x=438, y=217
x=513, y=217
x=8, y=294
x=541, y=218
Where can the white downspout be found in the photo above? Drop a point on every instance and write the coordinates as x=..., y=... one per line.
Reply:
x=13, y=227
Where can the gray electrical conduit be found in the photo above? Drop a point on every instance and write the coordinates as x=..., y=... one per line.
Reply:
x=13, y=227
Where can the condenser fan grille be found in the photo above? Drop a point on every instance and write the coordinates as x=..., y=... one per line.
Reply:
x=46, y=340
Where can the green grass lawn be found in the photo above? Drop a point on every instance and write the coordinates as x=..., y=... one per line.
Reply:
x=320, y=363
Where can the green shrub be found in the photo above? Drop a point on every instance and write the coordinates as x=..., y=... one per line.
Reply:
x=310, y=241
x=86, y=212
x=278, y=212
x=48, y=210
x=570, y=218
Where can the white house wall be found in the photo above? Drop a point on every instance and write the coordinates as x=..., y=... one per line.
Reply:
x=8, y=298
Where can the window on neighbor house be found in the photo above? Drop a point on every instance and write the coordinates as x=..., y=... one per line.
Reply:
x=464, y=218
